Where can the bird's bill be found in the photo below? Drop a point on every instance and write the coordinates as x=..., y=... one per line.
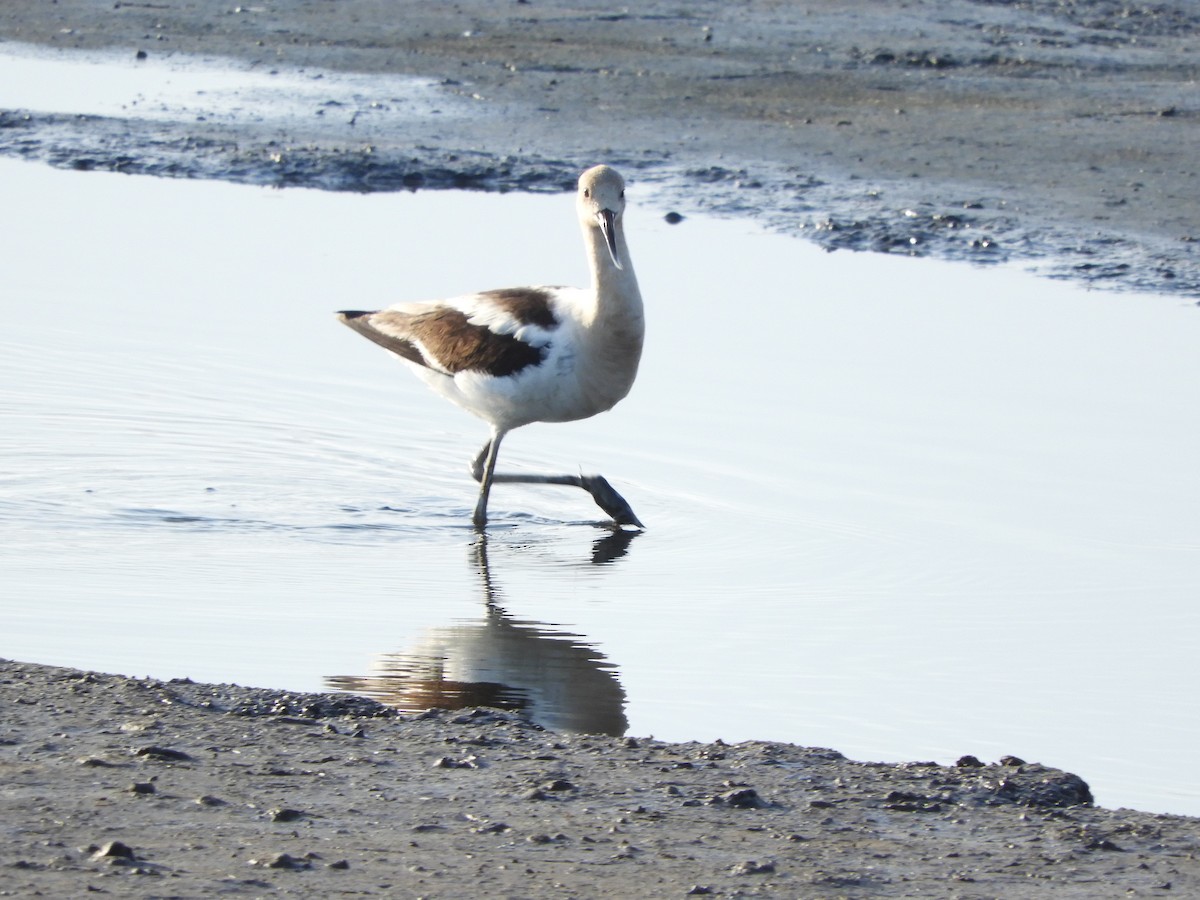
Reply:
x=608, y=226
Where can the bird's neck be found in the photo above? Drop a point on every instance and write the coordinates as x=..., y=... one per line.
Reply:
x=615, y=322
x=615, y=291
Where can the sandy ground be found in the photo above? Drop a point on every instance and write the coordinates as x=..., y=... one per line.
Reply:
x=1064, y=132
x=149, y=789
x=1044, y=130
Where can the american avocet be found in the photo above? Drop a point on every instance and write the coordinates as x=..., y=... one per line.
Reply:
x=532, y=354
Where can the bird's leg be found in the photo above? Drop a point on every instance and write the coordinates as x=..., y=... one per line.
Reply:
x=480, y=461
x=609, y=500
x=596, y=485
x=483, y=470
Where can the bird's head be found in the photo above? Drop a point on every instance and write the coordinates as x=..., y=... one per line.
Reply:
x=601, y=203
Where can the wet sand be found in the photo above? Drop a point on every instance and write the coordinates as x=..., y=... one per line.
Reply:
x=149, y=789
x=966, y=130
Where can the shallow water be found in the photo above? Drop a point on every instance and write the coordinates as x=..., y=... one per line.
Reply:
x=904, y=509
x=168, y=87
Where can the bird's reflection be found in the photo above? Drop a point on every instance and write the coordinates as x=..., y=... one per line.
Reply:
x=552, y=678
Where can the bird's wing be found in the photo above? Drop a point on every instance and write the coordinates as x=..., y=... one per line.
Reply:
x=497, y=332
x=384, y=330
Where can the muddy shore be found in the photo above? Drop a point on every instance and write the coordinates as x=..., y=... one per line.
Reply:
x=144, y=788
x=1062, y=134
x=1057, y=133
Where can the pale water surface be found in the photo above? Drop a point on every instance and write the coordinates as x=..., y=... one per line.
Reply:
x=904, y=509
x=181, y=88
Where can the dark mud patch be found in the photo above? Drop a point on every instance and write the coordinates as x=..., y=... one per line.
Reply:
x=97, y=143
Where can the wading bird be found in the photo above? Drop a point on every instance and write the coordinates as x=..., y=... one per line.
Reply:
x=532, y=354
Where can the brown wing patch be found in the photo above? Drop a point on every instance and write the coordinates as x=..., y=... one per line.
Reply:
x=444, y=339
x=528, y=306
x=391, y=339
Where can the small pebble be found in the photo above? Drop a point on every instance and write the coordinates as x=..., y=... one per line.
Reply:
x=163, y=753
x=743, y=798
x=751, y=867
x=96, y=762
x=282, y=861
x=467, y=762
x=114, y=850
x=492, y=828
